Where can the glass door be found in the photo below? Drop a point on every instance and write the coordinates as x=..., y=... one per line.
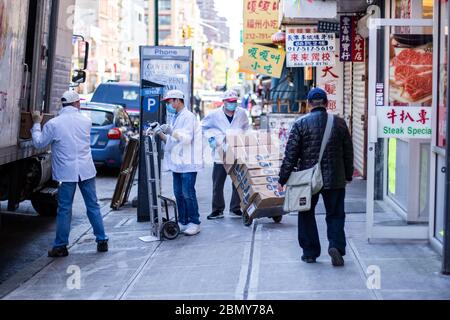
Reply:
x=399, y=131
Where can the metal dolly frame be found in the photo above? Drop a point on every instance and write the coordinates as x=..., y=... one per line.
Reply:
x=162, y=227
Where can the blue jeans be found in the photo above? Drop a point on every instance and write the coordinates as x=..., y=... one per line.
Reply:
x=66, y=193
x=184, y=190
x=308, y=236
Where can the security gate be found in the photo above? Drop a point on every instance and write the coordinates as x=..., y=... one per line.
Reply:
x=400, y=97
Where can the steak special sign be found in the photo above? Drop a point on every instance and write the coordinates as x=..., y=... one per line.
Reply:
x=404, y=122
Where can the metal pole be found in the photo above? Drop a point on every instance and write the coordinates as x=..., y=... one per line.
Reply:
x=446, y=248
x=156, y=22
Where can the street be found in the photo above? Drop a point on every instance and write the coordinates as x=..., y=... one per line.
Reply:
x=26, y=236
x=225, y=261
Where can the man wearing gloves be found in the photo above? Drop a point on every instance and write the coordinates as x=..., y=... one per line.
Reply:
x=183, y=156
x=69, y=137
x=229, y=119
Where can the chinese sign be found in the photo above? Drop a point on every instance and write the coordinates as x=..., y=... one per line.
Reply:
x=329, y=78
x=328, y=26
x=358, y=44
x=351, y=44
x=309, y=49
x=404, y=122
x=379, y=94
x=260, y=20
x=262, y=59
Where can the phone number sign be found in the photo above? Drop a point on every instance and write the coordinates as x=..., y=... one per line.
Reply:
x=310, y=49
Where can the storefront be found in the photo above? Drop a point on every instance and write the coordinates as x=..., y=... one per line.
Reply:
x=407, y=99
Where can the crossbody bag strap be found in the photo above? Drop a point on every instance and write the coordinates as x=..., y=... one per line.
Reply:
x=326, y=135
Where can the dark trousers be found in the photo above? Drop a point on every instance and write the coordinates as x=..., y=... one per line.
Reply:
x=308, y=236
x=218, y=201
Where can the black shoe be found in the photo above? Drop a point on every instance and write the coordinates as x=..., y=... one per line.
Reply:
x=238, y=213
x=102, y=246
x=215, y=215
x=308, y=259
x=58, y=252
x=336, y=257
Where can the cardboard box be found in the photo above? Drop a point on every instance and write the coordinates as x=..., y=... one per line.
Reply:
x=266, y=195
x=262, y=202
x=26, y=123
x=241, y=170
x=251, y=154
x=263, y=164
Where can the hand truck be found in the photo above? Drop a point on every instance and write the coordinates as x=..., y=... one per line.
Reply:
x=161, y=226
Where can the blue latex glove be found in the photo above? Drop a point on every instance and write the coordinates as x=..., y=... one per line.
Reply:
x=212, y=142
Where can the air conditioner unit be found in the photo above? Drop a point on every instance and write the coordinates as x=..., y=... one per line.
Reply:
x=373, y=12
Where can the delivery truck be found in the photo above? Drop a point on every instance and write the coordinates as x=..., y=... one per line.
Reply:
x=36, y=67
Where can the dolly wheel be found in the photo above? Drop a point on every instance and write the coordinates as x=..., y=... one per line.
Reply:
x=246, y=219
x=170, y=230
x=277, y=219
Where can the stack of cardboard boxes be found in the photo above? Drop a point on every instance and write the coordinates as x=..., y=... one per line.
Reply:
x=253, y=162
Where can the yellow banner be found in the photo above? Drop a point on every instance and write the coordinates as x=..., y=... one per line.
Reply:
x=260, y=20
x=262, y=60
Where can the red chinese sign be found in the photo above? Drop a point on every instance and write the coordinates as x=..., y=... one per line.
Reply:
x=351, y=44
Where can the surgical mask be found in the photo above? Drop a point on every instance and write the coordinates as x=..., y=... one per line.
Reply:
x=231, y=106
x=171, y=109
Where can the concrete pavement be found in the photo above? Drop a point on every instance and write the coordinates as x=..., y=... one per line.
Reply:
x=230, y=261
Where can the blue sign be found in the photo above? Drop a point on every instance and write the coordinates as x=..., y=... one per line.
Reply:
x=150, y=104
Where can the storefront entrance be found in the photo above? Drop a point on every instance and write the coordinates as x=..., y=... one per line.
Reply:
x=399, y=131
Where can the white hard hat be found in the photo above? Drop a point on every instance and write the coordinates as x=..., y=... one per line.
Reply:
x=230, y=95
x=70, y=97
x=174, y=94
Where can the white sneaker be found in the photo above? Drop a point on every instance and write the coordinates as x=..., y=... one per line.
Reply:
x=183, y=227
x=192, y=229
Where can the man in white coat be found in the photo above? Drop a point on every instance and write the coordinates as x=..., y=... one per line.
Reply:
x=184, y=157
x=69, y=137
x=229, y=119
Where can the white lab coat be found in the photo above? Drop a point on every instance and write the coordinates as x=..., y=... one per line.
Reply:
x=69, y=136
x=216, y=124
x=183, y=150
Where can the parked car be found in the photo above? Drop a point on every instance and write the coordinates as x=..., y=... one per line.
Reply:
x=110, y=133
x=126, y=94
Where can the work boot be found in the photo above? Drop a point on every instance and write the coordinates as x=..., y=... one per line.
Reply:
x=215, y=215
x=336, y=257
x=102, y=246
x=238, y=213
x=308, y=259
x=58, y=252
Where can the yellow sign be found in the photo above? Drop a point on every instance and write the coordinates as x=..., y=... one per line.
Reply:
x=262, y=59
x=260, y=20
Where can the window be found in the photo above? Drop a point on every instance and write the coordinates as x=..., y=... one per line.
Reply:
x=165, y=20
x=164, y=34
x=165, y=4
x=98, y=118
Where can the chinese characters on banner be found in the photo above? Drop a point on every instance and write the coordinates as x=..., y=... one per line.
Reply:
x=260, y=20
x=262, y=59
x=309, y=49
x=330, y=79
x=404, y=122
x=351, y=44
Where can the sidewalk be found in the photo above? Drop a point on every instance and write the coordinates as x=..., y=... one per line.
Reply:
x=230, y=261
